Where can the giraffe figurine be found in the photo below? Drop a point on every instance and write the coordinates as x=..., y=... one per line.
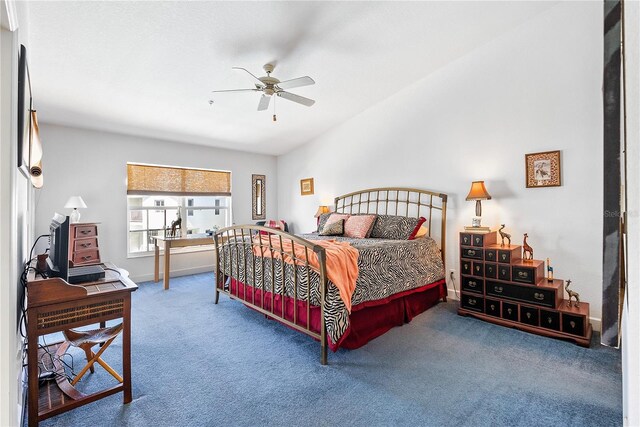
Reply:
x=572, y=294
x=504, y=235
x=527, y=251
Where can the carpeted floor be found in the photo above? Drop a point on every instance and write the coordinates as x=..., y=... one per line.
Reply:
x=198, y=364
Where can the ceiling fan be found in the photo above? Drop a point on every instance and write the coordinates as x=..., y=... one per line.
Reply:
x=270, y=86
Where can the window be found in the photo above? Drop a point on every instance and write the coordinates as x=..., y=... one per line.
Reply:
x=151, y=210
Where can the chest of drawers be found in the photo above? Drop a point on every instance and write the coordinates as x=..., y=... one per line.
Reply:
x=497, y=286
x=83, y=244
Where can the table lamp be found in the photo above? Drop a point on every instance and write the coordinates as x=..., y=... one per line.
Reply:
x=75, y=202
x=478, y=192
x=321, y=210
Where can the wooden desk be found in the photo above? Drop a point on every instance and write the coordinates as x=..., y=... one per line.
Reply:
x=53, y=306
x=175, y=242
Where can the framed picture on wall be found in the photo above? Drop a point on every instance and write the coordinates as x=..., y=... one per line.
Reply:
x=24, y=112
x=306, y=186
x=543, y=169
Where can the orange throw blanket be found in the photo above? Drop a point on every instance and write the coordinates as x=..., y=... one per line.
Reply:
x=342, y=261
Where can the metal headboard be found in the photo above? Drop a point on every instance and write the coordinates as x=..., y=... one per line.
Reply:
x=408, y=202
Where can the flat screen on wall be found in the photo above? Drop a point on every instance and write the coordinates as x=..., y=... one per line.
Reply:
x=24, y=112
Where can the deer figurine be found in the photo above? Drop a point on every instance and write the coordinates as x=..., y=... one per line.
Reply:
x=572, y=294
x=504, y=235
x=175, y=225
x=527, y=251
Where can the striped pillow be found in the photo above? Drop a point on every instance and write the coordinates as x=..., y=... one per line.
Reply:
x=335, y=228
x=358, y=226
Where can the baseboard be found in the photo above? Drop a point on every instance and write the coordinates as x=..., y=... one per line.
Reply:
x=596, y=322
x=175, y=273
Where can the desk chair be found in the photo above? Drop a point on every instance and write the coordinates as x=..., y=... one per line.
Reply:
x=88, y=339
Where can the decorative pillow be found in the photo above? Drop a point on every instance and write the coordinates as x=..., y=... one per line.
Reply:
x=396, y=227
x=322, y=219
x=336, y=217
x=275, y=224
x=423, y=231
x=358, y=226
x=335, y=228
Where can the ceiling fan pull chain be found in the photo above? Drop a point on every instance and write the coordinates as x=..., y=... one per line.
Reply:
x=274, y=109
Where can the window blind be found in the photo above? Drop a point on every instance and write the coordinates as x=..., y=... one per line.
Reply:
x=144, y=179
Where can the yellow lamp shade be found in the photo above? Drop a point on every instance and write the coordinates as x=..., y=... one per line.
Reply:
x=478, y=191
x=321, y=210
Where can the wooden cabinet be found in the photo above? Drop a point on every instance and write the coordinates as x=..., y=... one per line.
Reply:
x=499, y=287
x=83, y=244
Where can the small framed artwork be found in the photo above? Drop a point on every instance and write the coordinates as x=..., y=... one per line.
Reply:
x=306, y=186
x=543, y=169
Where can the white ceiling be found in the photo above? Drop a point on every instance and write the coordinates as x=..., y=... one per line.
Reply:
x=147, y=68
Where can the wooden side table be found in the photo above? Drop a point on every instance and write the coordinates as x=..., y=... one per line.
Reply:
x=53, y=306
x=174, y=242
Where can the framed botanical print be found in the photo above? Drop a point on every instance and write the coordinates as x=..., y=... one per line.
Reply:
x=543, y=169
x=306, y=186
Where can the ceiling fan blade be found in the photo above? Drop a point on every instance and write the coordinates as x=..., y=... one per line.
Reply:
x=264, y=102
x=236, y=90
x=300, y=81
x=296, y=98
x=249, y=72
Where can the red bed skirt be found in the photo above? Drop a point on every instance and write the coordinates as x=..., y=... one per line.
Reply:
x=368, y=320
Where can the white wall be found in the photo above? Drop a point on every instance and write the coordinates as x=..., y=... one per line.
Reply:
x=631, y=312
x=537, y=88
x=92, y=164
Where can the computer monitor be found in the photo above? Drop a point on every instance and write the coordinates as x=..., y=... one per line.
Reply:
x=58, y=261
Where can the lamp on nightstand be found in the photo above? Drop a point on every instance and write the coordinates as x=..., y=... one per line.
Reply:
x=478, y=192
x=74, y=203
x=321, y=210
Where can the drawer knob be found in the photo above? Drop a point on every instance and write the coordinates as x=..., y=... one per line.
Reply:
x=86, y=257
x=538, y=296
x=493, y=307
x=573, y=324
x=472, y=284
x=472, y=301
x=498, y=289
x=85, y=231
x=528, y=315
x=85, y=245
x=522, y=274
x=471, y=252
x=504, y=257
x=549, y=320
x=509, y=310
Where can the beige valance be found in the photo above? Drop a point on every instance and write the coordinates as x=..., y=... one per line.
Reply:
x=145, y=179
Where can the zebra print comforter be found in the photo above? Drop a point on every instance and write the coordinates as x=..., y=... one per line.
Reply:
x=386, y=267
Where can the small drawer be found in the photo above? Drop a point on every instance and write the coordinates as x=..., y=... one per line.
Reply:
x=524, y=275
x=509, y=311
x=86, y=257
x=492, y=307
x=465, y=239
x=478, y=269
x=85, y=244
x=573, y=325
x=504, y=272
x=491, y=271
x=550, y=320
x=85, y=231
x=491, y=255
x=472, y=284
x=472, y=253
x=477, y=240
x=465, y=267
x=504, y=256
x=472, y=302
x=529, y=315
x=528, y=294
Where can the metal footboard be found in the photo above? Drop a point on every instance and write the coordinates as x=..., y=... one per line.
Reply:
x=250, y=254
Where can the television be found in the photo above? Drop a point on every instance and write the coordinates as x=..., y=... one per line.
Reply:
x=58, y=261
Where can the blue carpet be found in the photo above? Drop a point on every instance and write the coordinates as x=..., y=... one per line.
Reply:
x=198, y=364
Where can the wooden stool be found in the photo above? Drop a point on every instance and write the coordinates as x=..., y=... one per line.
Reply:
x=88, y=339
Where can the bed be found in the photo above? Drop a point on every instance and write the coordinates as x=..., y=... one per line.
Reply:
x=294, y=279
